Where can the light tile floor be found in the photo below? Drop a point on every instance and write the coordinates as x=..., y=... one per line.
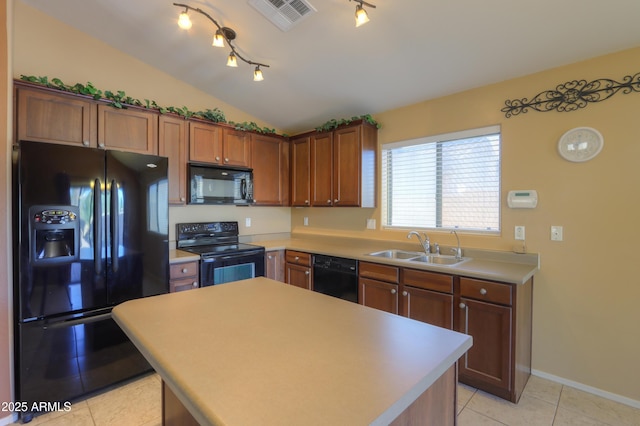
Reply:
x=543, y=403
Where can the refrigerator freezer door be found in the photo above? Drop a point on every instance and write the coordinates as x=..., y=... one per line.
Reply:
x=137, y=226
x=59, y=195
x=71, y=357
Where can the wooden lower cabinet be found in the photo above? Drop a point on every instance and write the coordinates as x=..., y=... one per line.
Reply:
x=498, y=317
x=274, y=265
x=427, y=297
x=298, y=269
x=183, y=276
x=378, y=286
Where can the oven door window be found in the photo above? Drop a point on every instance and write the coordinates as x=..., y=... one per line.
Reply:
x=224, y=269
x=227, y=274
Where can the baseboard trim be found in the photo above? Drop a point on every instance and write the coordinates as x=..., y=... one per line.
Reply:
x=589, y=389
x=12, y=418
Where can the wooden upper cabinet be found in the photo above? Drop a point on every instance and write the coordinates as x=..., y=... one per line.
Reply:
x=347, y=166
x=236, y=148
x=322, y=169
x=270, y=162
x=205, y=143
x=301, y=171
x=172, y=143
x=44, y=115
x=341, y=167
x=130, y=129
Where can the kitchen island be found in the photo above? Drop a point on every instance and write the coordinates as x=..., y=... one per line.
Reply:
x=262, y=352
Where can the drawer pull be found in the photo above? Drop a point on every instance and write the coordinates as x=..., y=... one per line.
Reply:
x=195, y=284
x=483, y=291
x=297, y=258
x=184, y=270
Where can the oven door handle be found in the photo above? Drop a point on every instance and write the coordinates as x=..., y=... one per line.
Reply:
x=232, y=256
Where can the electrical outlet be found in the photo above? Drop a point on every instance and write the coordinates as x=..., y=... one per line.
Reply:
x=247, y=222
x=519, y=233
x=556, y=233
x=305, y=221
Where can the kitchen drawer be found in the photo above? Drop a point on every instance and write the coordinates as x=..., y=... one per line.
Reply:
x=486, y=290
x=183, y=284
x=298, y=258
x=428, y=280
x=179, y=271
x=378, y=271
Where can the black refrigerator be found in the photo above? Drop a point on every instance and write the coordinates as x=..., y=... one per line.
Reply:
x=91, y=231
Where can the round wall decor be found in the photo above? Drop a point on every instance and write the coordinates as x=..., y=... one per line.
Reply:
x=580, y=144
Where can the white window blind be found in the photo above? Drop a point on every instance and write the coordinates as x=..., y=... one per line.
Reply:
x=448, y=181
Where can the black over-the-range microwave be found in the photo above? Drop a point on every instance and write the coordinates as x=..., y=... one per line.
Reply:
x=210, y=184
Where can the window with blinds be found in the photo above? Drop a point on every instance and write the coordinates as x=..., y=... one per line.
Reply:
x=448, y=181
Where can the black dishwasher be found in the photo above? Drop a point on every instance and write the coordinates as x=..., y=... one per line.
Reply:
x=336, y=276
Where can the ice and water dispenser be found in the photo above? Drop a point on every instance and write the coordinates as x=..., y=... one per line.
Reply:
x=55, y=234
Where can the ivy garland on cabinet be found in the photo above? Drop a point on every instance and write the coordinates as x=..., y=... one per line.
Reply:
x=120, y=100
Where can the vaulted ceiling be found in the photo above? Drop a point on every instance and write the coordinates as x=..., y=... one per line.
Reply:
x=324, y=67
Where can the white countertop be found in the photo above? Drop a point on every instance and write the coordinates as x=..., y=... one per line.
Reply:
x=263, y=352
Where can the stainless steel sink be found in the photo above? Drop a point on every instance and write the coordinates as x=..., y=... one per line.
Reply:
x=413, y=256
x=438, y=259
x=396, y=254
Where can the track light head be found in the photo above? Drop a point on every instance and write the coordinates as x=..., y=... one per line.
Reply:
x=183, y=21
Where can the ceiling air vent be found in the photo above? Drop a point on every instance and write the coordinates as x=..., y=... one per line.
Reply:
x=284, y=14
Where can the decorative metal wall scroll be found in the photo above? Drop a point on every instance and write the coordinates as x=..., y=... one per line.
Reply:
x=573, y=95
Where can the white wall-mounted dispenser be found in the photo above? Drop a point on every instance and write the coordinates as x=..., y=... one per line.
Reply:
x=522, y=199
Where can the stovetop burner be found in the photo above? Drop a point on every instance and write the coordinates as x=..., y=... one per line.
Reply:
x=211, y=238
x=209, y=250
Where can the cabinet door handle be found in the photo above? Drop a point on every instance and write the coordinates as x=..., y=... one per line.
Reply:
x=483, y=291
x=270, y=257
x=336, y=200
x=226, y=160
x=306, y=272
x=404, y=293
x=85, y=143
x=328, y=201
x=217, y=158
x=393, y=291
x=463, y=305
x=306, y=201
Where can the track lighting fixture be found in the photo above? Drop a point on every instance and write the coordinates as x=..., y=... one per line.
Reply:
x=361, y=14
x=257, y=74
x=222, y=35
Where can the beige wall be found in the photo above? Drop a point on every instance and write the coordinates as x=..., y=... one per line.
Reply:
x=585, y=296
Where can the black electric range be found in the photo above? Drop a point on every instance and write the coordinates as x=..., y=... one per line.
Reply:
x=222, y=257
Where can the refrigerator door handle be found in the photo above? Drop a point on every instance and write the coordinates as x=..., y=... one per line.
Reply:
x=97, y=232
x=114, y=226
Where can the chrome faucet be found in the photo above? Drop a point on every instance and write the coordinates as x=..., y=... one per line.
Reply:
x=424, y=242
x=458, y=251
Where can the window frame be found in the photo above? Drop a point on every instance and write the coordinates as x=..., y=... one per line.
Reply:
x=439, y=139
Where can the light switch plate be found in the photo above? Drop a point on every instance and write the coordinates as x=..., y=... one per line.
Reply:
x=519, y=233
x=305, y=221
x=556, y=233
